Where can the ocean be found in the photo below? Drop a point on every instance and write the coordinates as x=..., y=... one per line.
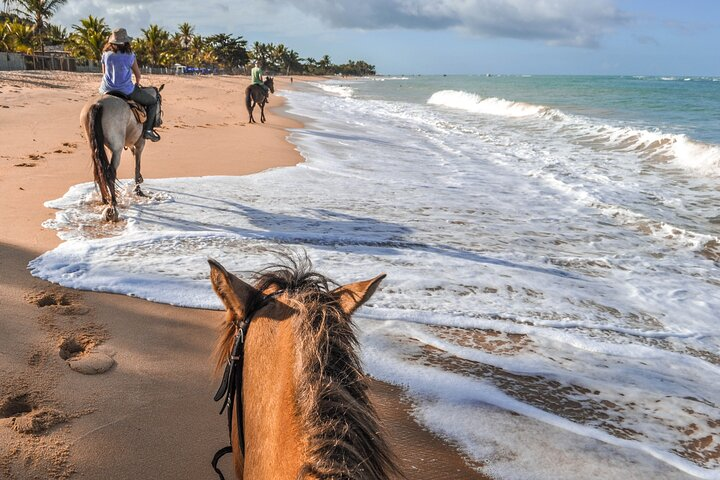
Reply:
x=552, y=246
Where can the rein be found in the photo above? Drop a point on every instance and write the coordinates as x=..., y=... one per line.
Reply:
x=231, y=384
x=159, y=114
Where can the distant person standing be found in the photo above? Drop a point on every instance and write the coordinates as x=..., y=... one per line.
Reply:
x=119, y=65
x=256, y=75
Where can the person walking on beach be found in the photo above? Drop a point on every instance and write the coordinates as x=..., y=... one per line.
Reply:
x=118, y=66
x=256, y=75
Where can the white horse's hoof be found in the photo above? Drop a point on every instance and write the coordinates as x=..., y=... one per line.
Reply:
x=110, y=214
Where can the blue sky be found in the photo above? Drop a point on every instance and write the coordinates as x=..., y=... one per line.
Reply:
x=640, y=37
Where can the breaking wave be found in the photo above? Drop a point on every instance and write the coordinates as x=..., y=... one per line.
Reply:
x=690, y=154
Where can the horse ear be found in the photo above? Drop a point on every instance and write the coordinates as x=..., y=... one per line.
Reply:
x=352, y=296
x=161, y=87
x=233, y=292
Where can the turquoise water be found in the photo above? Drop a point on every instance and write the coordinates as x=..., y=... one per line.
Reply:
x=680, y=105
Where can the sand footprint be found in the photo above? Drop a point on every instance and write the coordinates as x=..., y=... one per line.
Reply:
x=59, y=302
x=82, y=354
x=24, y=414
x=79, y=345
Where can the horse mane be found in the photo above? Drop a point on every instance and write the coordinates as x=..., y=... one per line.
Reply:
x=333, y=406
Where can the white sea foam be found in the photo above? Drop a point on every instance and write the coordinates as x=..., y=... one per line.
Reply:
x=490, y=106
x=529, y=272
x=340, y=90
x=696, y=156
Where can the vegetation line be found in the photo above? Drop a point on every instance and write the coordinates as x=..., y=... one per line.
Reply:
x=25, y=28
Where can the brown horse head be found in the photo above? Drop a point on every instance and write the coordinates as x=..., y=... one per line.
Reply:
x=306, y=411
x=270, y=84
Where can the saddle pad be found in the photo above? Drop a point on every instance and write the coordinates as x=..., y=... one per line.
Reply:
x=137, y=109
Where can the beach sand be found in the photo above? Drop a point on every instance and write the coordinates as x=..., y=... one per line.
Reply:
x=151, y=414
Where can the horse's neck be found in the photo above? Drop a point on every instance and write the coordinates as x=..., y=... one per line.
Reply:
x=273, y=442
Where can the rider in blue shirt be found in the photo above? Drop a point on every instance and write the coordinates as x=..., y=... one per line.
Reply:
x=119, y=65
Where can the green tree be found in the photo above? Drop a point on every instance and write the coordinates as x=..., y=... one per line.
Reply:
x=279, y=55
x=229, y=51
x=186, y=32
x=153, y=48
x=324, y=65
x=310, y=66
x=55, y=34
x=286, y=60
x=262, y=52
x=6, y=41
x=19, y=37
x=200, y=52
x=39, y=11
x=183, y=38
x=88, y=39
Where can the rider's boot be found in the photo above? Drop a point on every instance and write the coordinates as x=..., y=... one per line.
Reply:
x=148, y=132
x=151, y=135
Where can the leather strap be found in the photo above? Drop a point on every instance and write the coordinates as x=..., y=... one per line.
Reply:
x=231, y=385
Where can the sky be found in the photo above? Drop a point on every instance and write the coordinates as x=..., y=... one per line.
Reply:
x=578, y=37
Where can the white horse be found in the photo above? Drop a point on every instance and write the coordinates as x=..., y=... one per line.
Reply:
x=109, y=122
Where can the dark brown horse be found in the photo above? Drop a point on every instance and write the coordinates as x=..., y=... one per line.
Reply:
x=300, y=396
x=256, y=94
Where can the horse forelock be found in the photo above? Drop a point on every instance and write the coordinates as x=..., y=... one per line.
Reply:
x=332, y=403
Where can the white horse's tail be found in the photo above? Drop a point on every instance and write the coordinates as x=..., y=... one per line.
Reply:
x=102, y=170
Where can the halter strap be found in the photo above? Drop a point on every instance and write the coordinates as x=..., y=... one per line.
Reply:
x=231, y=384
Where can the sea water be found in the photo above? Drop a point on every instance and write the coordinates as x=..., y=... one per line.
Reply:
x=552, y=304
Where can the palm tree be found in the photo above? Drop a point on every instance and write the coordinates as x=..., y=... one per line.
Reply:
x=195, y=51
x=56, y=35
x=324, y=64
x=153, y=47
x=88, y=39
x=186, y=32
x=286, y=59
x=39, y=11
x=183, y=38
x=19, y=37
x=6, y=41
x=293, y=62
x=262, y=52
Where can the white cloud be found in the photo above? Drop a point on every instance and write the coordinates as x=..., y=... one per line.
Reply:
x=557, y=22
x=564, y=22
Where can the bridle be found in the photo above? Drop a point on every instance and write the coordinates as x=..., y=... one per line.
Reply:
x=231, y=384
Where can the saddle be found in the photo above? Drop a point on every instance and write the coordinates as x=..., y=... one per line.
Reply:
x=137, y=109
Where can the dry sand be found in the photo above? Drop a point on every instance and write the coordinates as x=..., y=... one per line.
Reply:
x=143, y=408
